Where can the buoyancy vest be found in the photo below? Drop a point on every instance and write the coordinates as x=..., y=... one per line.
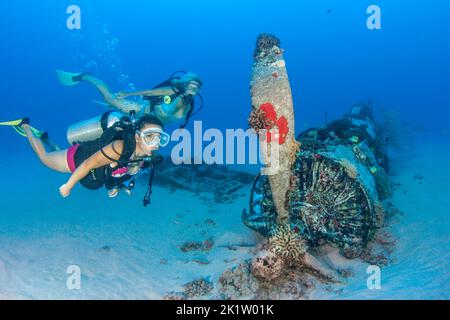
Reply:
x=104, y=176
x=167, y=99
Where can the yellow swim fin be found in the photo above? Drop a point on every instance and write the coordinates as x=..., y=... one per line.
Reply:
x=11, y=123
x=68, y=78
x=20, y=131
x=16, y=126
x=37, y=133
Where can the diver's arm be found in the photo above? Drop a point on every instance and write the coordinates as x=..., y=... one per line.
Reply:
x=95, y=161
x=149, y=93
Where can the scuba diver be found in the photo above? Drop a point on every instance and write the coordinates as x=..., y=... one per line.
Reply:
x=170, y=101
x=111, y=159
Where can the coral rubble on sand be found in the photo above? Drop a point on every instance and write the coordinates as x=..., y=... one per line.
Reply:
x=252, y=279
x=198, y=288
x=238, y=282
x=198, y=245
x=191, y=290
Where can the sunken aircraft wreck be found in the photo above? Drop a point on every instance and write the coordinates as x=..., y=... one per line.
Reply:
x=329, y=190
x=337, y=174
x=338, y=182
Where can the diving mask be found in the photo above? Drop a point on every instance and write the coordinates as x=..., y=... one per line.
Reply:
x=155, y=137
x=192, y=88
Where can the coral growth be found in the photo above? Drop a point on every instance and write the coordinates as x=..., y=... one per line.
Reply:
x=198, y=288
x=293, y=151
x=268, y=266
x=349, y=168
x=258, y=120
x=174, y=296
x=198, y=245
x=285, y=242
x=374, y=257
x=285, y=254
x=254, y=279
x=194, y=289
x=238, y=282
x=265, y=117
x=264, y=44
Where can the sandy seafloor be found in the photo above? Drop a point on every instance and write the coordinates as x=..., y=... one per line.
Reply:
x=126, y=251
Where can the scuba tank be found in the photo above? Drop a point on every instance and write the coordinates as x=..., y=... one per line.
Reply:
x=93, y=128
x=88, y=131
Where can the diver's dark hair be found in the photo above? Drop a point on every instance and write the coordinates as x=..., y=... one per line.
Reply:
x=148, y=119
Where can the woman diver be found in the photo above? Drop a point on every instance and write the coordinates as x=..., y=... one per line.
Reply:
x=171, y=101
x=110, y=160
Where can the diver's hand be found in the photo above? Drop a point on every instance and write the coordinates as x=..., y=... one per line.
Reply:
x=64, y=190
x=113, y=192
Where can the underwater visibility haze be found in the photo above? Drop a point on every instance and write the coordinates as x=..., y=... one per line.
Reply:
x=97, y=97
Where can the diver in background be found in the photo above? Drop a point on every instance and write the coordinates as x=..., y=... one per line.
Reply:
x=171, y=101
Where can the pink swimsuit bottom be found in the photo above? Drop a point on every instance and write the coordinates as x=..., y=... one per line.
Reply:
x=71, y=157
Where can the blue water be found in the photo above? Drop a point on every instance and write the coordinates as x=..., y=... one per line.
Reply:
x=333, y=62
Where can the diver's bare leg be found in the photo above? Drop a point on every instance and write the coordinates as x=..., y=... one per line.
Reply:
x=50, y=144
x=56, y=160
x=123, y=105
